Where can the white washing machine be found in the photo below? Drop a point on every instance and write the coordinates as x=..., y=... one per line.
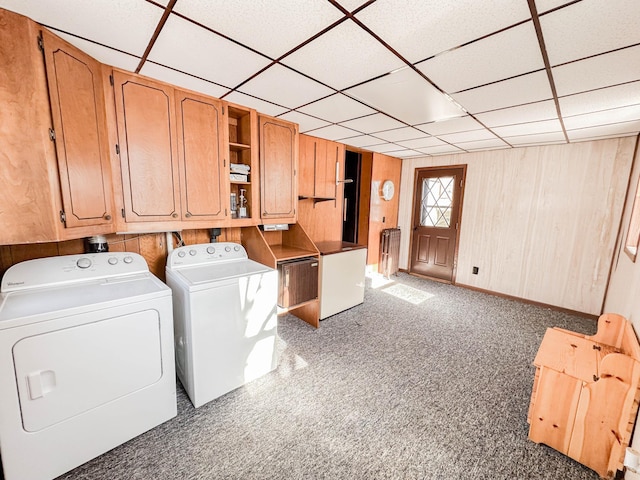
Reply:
x=86, y=360
x=225, y=319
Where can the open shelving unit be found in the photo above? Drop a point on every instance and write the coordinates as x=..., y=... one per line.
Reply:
x=242, y=127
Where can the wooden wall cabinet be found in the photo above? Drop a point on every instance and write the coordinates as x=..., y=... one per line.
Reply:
x=320, y=197
x=56, y=181
x=172, y=147
x=278, y=167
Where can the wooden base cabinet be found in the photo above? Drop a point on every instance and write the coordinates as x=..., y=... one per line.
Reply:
x=56, y=181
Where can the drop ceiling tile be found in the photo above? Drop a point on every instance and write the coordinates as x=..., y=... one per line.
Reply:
x=406, y=96
x=276, y=85
x=508, y=93
x=256, y=103
x=351, y=5
x=126, y=25
x=506, y=54
x=546, y=5
x=419, y=29
x=441, y=150
x=601, y=71
x=352, y=54
x=545, y=126
x=103, y=54
x=399, y=134
x=181, y=79
x=604, y=117
x=204, y=54
x=590, y=27
x=361, y=141
x=272, y=28
x=404, y=153
x=537, y=139
x=336, y=108
x=605, y=131
x=532, y=112
x=602, y=99
x=373, y=123
x=490, y=144
x=306, y=122
x=453, y=125
x=384, y=148
x=421, y=142
x=333, y=132
x=471, y=136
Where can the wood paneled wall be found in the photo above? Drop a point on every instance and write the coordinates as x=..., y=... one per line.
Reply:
x=152, y=246
x=540, y=222
x=382, y=213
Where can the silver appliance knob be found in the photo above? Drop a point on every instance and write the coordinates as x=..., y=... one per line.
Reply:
x=192, y=253
x=181, y=254
x=227, y=249
x=127, y=259
x=211, y=250
x=112, y=260
x=83, y=262
x=236, y=248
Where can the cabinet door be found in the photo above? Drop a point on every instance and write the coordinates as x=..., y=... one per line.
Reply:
x=203, y=170
x=307, y=166
x=328, y=154
x=148, y=153
x=78, y=111
x=278, y=163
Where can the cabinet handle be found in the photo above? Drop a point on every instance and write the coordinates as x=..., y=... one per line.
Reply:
x=187, y=214
x=175, y=215
x=107, y=217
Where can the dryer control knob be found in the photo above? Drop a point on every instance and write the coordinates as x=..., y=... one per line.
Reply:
x=227, y=249
x=112, y=260
x=192, y=253
x=127, y=259
x=83, y=263
x=236, y=248
x=181, y=254
x=211, y=250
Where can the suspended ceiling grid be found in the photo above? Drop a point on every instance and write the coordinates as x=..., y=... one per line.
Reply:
x=402, y=77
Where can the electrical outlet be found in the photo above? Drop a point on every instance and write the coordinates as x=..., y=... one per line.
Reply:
x=475, y=270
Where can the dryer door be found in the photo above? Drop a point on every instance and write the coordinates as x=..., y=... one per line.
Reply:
x=64, y=373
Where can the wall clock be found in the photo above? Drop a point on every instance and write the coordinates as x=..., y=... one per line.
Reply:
x=388, y=190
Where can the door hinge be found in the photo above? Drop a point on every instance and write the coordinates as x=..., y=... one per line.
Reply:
x=52, y=134
x=223, y=109
x=122, y=213
x=117, y=149
x=63, y=217
x=111, y=80
x=224, y=162
x=225, y=212
x=40, y=42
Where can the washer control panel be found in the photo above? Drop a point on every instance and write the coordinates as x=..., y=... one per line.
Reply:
x=72, y=268
x=206, y=253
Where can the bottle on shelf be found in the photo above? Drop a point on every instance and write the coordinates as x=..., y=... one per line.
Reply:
x=243, y=204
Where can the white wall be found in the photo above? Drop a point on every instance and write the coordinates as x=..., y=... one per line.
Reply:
x=623, y=296
x=540, y=222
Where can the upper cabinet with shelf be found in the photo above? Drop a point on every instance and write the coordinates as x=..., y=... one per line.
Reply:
x=55, y=182
x=278, y=166
x=244, y=171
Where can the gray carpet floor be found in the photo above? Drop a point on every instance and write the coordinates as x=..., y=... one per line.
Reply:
x=422, y=381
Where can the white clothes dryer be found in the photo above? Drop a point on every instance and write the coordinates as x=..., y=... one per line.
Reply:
x=86, y=360
x=225, y=318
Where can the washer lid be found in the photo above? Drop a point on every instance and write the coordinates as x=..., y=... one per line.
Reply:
x=215, y=272
x=40, y=304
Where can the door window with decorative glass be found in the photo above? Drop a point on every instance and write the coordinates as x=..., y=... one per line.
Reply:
x=437, y=199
